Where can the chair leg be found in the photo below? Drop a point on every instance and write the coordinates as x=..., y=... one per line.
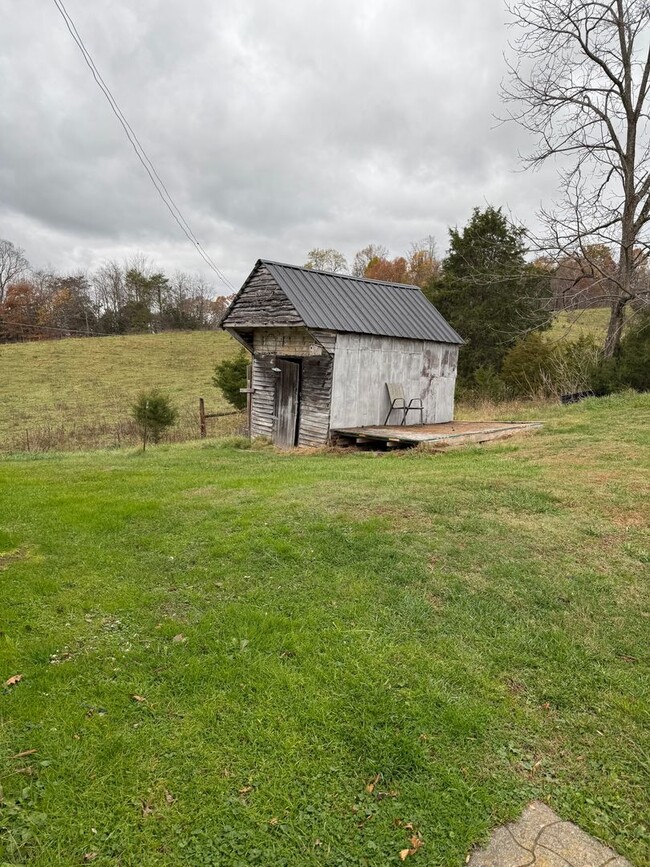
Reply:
x=394, y=408
x=390, y=412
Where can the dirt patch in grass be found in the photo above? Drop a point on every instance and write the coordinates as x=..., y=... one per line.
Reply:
x=9, y=557
x=630, y=519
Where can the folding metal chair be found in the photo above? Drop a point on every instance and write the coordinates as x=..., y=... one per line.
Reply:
x=398, y=403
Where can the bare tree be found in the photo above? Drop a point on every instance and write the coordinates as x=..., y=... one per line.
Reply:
x=424, y=265
x=319, y=259
x=579, y=82
x=108, y=286
x=12, y=265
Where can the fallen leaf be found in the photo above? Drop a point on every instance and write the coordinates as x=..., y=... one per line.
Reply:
x=169, y=798
x=246, y=790
x=370, y=788
x=138, y=698
x=408, y=826
x=273, y=821
x=179, y=638
x=89, y=856
x=147, y=808
x=13, y=680
x=416, y=844
x=24, y=753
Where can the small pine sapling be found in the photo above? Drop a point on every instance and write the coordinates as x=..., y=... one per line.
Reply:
x=154, y=413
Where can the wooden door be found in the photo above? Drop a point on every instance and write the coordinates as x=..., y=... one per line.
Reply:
x=287, y=398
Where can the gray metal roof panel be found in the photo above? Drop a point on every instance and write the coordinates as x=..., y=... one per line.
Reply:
x=339, y=302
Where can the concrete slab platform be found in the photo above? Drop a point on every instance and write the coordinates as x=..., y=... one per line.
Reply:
x=540, y=838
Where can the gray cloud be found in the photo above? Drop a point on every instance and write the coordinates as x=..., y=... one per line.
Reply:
x=278, y=125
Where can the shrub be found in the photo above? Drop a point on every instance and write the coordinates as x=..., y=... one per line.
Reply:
x=154, y=412
x=573, y=366
x=527, y=364
x=230, y=376
x=539, y=367
x=630, y=368
x=489, y=384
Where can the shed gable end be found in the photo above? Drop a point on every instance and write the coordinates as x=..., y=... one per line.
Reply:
x=261, y=302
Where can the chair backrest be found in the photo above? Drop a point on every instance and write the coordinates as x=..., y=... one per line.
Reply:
x=395, y=391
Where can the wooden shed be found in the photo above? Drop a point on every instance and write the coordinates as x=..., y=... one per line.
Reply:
x=325, y=346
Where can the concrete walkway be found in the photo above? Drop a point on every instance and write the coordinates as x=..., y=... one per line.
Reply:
x=541, y=839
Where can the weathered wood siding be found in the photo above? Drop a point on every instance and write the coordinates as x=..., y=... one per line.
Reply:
x=364, y=364
x=263, y=398
x=327, y=339
x=261, y=302
x=315, y=381
x=315, y=395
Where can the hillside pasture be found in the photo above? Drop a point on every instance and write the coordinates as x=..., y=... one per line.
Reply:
x=240, y=657
x=77, y=393
x=573, y=324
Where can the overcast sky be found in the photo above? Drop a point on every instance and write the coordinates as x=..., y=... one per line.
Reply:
x=277, y=125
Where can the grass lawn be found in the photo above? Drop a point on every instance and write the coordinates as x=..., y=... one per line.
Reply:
x=77, y=393
x=236, y=657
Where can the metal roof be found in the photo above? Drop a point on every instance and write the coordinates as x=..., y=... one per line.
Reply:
x=339, y=302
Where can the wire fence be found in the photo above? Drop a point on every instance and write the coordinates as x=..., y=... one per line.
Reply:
x=102, y=433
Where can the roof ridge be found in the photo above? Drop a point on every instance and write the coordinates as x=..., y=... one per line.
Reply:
x=341, y=276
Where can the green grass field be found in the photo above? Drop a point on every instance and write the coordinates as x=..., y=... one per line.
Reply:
x=237, y=657
x=77, y=393
x=572, y=324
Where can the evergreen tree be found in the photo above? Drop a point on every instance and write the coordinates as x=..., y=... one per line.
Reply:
x=487, y=291
x=230, y=375
x=154, y=412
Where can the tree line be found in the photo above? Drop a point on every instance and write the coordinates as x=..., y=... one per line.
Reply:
x=117, y=298
x=498, y=296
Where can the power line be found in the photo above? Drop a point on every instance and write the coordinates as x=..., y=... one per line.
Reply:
x=140, y=152
x=16, y=324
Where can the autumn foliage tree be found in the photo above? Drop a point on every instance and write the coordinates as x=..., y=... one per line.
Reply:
x=115, y=299
x=418, y=267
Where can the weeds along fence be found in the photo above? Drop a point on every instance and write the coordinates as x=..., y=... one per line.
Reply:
x=109, y=433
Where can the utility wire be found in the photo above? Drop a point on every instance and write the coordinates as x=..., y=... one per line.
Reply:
x=140, y=152
x=4, y=321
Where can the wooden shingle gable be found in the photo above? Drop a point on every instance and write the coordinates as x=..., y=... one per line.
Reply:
x=260, y=302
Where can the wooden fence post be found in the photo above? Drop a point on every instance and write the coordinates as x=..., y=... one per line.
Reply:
x=204, y=431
